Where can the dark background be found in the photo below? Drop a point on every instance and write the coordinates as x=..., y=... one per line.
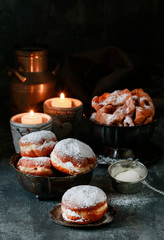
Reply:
x=69, y=27
x=77, y=26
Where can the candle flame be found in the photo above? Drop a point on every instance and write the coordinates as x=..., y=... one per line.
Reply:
x=31, y=113
x=62, y=95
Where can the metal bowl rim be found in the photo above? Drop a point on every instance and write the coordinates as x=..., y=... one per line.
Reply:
x=134, y=161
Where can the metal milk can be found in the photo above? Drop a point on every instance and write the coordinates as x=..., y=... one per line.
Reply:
x=31, y=83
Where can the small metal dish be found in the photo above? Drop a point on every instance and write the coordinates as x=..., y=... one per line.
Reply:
x=49, y=187
x=122, y=166
x=56, y=216
x=121, y=137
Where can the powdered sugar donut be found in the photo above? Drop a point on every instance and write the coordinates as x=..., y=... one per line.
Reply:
x=37, y=144
x=83, y=204
x=40, y=166
x=73, y=157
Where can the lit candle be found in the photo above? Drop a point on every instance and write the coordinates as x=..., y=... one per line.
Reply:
x=61, y=102
x=31, y=118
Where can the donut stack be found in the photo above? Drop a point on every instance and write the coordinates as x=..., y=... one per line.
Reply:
x=42, y=154
x=35, y=151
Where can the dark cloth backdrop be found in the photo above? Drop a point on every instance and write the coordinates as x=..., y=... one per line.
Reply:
x=105, y=70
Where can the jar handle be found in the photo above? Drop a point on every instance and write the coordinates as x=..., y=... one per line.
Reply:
x=19, y=76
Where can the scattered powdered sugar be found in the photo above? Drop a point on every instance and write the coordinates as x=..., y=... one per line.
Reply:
x=116, y=98
x=71, y=213
x=81, y=219
x=132, y=201
x=139, y=109
x=83, y=196
x=128, y=121
x=109, y=118
x=74, y=148
x=141, y=99
x=36, y=137
x=135, y=97
x=38, y=161
x=108, y=160
x=69, y=165
x=147, y=106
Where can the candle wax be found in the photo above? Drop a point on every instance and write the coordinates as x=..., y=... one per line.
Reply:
x=61, y=102
x=27, y=118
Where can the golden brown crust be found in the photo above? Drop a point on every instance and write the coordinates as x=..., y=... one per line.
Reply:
x=86, y=216
x=37, y=144
x=75, y=161
x=40, y=166
x=61, y=164
x=73, y=206
x=42, y=141
x=73, y=157
x=36, y=150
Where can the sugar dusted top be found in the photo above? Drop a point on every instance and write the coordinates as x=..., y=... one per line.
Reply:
x=118, y=97
x=83, y=196
x=74, y=148
x=39, y=136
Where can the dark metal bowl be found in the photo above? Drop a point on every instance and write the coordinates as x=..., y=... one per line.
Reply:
x=49, y=187
x=121, y=137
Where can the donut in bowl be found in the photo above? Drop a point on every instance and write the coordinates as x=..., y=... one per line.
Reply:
x=37, y=144
x=40, y=166
x=73, y=157
x=83, y=204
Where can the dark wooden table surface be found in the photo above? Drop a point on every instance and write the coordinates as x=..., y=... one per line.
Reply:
x=24, y=217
